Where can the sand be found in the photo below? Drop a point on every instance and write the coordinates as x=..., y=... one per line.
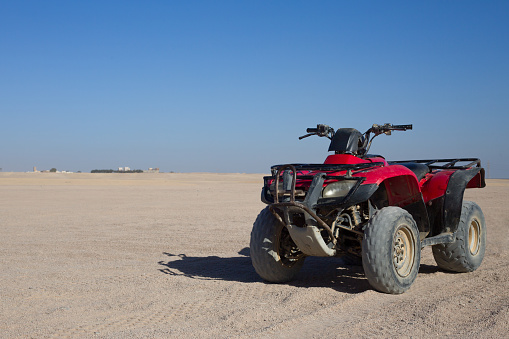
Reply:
x=167, y=255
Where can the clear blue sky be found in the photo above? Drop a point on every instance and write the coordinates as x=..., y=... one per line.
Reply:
x=228, y=86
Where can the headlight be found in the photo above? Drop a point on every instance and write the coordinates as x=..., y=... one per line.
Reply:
x=338, y=189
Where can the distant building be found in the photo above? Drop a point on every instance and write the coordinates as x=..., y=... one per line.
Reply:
x=152, y=170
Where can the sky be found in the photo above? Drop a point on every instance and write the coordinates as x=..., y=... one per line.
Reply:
x=229, y=86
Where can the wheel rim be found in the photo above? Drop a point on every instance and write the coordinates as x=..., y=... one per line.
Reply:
x=474, y=237
x=286, y=249
x=404, y=251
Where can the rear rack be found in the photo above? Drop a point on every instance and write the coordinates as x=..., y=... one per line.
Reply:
x=449, y=163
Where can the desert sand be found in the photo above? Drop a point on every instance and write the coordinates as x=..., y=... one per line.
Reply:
x=167, y=255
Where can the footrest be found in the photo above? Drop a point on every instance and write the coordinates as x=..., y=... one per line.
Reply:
x=442, y=238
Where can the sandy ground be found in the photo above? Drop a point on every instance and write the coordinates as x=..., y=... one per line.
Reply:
x=167, y=255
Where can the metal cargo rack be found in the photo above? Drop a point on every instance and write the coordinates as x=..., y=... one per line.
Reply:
x=326, y=167
x=448, y=163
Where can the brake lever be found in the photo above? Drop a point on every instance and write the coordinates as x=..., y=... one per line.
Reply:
x=307, y=135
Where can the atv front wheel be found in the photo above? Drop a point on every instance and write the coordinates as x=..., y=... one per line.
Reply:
x=466, y=253
x=274, y=255
x=391, y=250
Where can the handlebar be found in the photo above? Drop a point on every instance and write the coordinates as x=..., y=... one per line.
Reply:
x=326, y=131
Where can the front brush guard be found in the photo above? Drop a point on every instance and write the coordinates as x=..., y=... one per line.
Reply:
x=308, y=238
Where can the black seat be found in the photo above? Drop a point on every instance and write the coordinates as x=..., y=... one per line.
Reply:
x=420, y=170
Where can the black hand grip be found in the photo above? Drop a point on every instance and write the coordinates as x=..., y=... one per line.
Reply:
x=401, y=127
x=312, y=130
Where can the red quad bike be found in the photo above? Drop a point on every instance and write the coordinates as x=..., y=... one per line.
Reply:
x=362, y=206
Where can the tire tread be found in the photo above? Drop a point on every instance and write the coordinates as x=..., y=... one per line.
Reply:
x=268, y=265
x=454, y=257
x=377, y=267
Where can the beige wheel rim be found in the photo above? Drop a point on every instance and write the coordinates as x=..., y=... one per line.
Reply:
x=404, y=251
x=474, y=236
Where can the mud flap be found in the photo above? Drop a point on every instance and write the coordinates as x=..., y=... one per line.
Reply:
x=453, y=199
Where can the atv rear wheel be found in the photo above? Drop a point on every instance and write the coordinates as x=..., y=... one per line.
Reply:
x=391, y=250
x=466, y=253
x=274, y=255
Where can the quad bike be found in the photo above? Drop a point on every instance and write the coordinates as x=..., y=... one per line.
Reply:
x=375, y=211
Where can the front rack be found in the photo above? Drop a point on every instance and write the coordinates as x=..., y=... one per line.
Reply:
x=449, y=163
x=327, y=167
